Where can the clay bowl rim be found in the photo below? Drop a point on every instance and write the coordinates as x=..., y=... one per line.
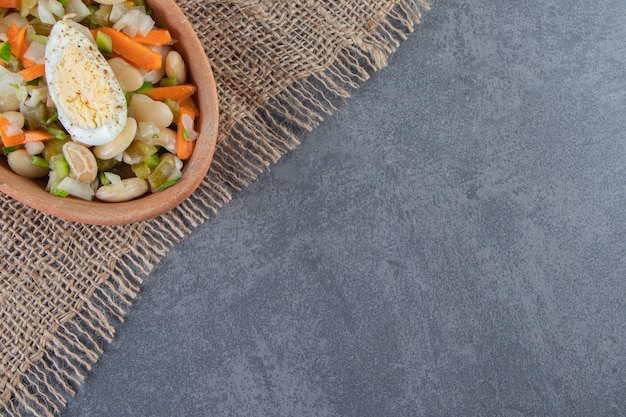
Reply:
x=32, y=193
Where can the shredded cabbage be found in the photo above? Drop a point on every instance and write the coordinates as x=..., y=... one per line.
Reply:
x=47, y=9
x=9, y=82
x=76, y=188
x=134, y=21
x=36, y=52
x=78, y=9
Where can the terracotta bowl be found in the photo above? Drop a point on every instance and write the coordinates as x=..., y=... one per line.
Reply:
x=32, y=193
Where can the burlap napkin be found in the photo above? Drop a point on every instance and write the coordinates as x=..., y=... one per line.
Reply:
x=280, y=66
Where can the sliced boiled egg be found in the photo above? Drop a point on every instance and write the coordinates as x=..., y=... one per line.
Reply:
x=89, y=99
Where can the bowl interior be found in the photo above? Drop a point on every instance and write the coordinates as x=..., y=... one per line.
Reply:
x=167, y=14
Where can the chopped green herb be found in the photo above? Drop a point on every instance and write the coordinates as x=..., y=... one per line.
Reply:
x=57, y=133
x=52, y=118
x=7, y=150
x=38, y=161
x=185, y=135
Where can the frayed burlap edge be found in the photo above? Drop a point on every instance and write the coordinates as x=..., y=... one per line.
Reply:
x=244, y=151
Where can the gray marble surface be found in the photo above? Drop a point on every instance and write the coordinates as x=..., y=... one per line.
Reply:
x=452, y=242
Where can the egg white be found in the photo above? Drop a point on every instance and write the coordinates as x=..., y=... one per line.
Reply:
x=89, y=99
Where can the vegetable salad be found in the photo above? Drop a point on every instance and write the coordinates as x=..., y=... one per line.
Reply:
x=93, y=97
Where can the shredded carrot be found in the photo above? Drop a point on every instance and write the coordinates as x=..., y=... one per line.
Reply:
x=36, y=136
x=17, y=38
x=174, y=92
x=32, y=72
x=157, y=37
x=9, y=134
x=184, y=147
x=189, y=103
x=137, y=54
x=27, y=63
x=16, y=4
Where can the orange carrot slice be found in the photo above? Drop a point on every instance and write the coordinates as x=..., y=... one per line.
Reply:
x=33, y=72
x=173, y=92
x=16, y=4
x=137, y=54
x=17, y=38
x=189, y=103
x=157, y=37
x=10, y=134
x=36, y=136
x=184, y=146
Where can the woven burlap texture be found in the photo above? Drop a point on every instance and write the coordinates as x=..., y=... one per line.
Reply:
x=280, y=67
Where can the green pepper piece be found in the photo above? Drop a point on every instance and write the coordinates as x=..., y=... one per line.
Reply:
x=104, y=42
x=168, y=81
x=52, y=147
x=5, y=52
x=141, y=170
x=8, y=149
x=145, y=88
x=42, y=29
x=57, y=192
x=174, y=107
x=160, y=175
x=35, y=116
x=59, y=165
x=100, y=16
x=139, y=150
x=103, y=178
x=152, y=161
x=105, y=164
x=37, y=38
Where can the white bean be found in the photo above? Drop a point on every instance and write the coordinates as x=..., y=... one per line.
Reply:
x=175, y=67
x=120, y=143
x=19, y=161
x=82, y=163
x=165, y=138
x=9, y=103
x=129, y=77
x=143, y=109
x=127, y=190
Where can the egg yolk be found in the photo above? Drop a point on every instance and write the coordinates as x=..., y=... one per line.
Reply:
x=81, y=83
